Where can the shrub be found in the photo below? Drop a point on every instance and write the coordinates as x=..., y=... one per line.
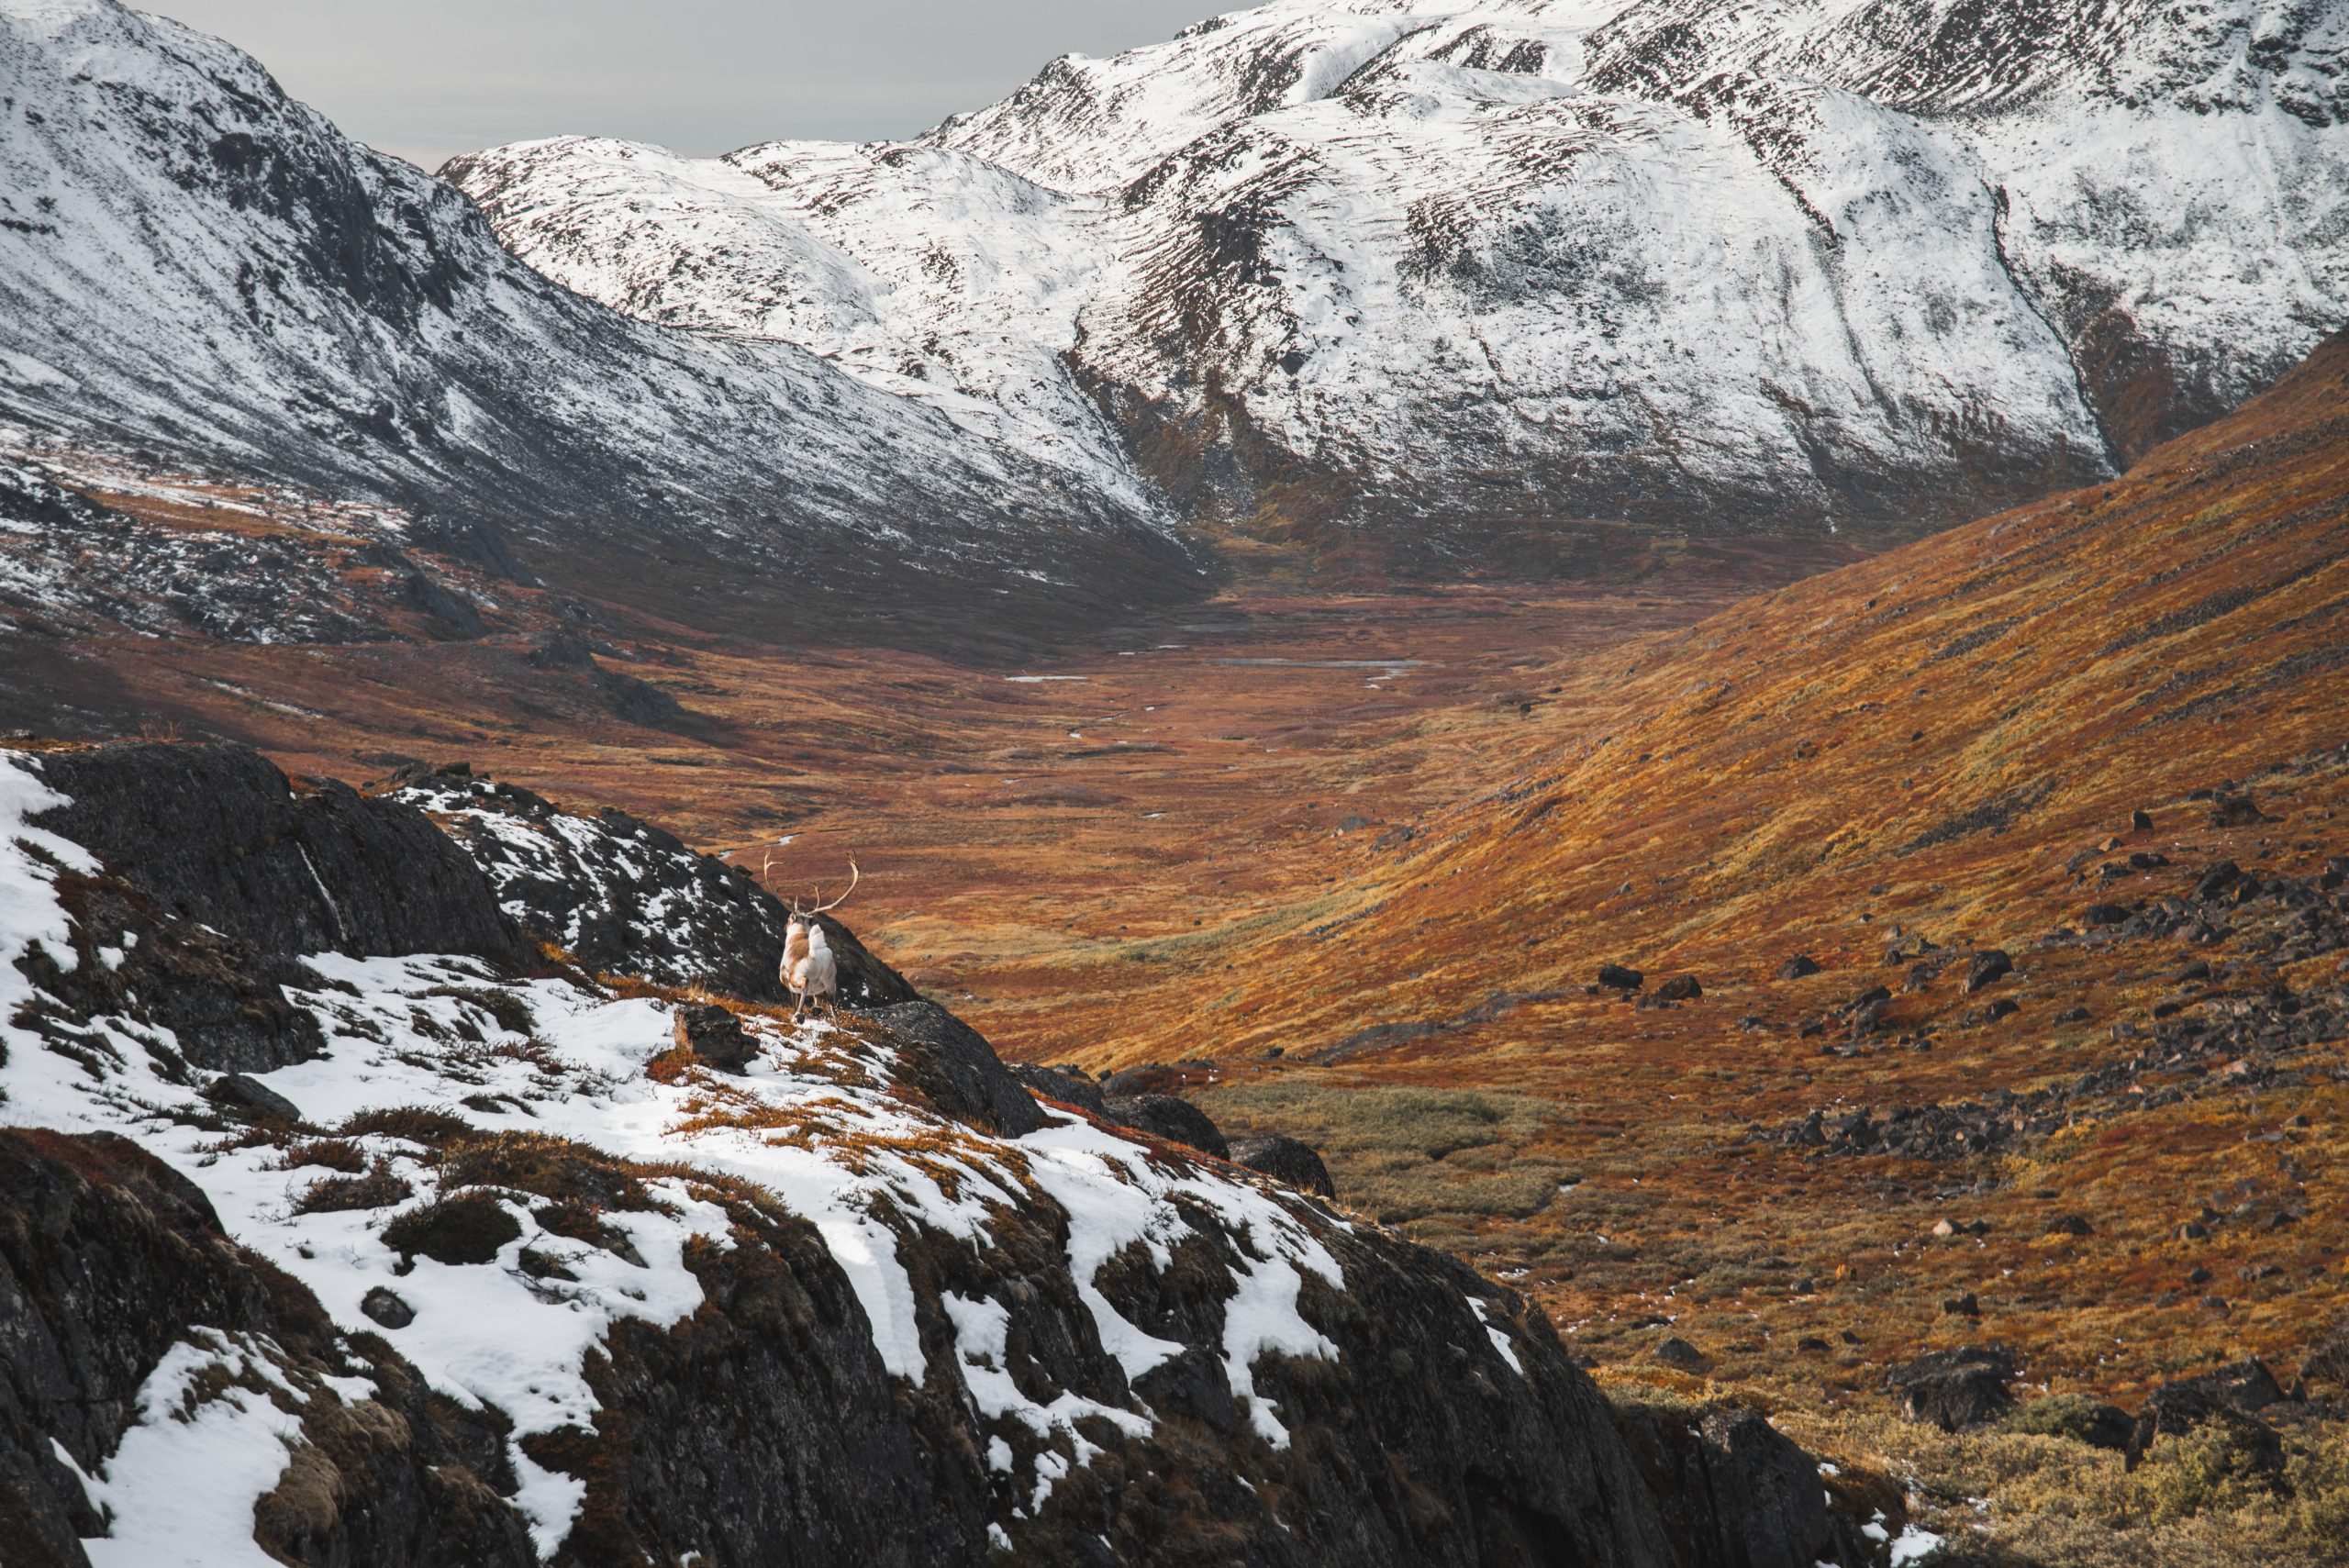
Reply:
x=550, y=1167
x=379, y=1188
x=2217, y=1467
x=416, y=1124
x=468, y=1229
x=2072, y=1416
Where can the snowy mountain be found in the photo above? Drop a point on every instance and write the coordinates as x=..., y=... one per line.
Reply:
x=194, y=266
x=1715, y=263
x=340, y=1222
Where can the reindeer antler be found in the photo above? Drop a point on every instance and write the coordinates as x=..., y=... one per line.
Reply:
x=853, y=875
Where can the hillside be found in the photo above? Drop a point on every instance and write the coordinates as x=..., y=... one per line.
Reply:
x=196, y=271
x=348, y=1219
x=1431, y=271
x=1973, y=1053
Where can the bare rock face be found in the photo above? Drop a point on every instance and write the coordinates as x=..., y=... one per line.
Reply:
x=953, y=1063
x=1745, y=1495
x=1169, y=1117
x=216, y=834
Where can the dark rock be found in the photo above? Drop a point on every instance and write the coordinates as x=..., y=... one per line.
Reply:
x=1987, y=968
x=1679, y=1354
x=216, y=834
x=1680, y=988
x=248, y=1095
x=1067, y=1085
x=108, y=1258
x=623, y=896
x=2142, y=821
x=1737, y=1492
x=2106, y=914
x=1150, y=1078
x=2235, y=811
x=1620, y=977
x=1955, y=1390
x=388, y=1309
x=1167, y=1117
x=714, y=1035
x=1991, y=1013
x=954, y=1065
x=1285, y=1159
x=1796, y=967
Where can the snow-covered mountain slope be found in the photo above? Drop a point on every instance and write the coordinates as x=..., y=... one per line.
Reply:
x=191, y=265
x=638, y=1302
x=1714, y=262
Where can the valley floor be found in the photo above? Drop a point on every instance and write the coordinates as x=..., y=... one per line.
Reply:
x=1293, y=848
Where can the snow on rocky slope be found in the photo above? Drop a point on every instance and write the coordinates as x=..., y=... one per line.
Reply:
x=195, y=266
x=1706, y=261
x=356, y=1231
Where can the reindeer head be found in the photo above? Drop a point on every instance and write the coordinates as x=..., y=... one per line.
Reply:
x=802, y=916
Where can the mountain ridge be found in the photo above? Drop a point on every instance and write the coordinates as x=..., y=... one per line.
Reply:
x=1419, y=266
x=194, y=267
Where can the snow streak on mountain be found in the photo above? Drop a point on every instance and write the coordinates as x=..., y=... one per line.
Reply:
x=193, y=265
x=1723, y=262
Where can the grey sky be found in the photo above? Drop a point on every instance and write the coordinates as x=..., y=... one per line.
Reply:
x=427, y=78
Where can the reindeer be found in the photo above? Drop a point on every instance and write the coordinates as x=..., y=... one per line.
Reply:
x=808, y=968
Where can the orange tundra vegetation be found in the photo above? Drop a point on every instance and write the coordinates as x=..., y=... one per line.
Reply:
x=1974, y=1052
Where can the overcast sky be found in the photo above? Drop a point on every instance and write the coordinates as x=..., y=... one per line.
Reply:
x=427, y=78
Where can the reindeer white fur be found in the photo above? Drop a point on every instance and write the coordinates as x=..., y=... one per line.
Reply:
x=809, y=970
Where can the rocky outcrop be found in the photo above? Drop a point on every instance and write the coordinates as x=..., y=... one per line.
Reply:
x=622, y=896
x=845, y=1285
x=1744, y=1494
x=1957, y=1389
x=217, y=835
x=110, y=1262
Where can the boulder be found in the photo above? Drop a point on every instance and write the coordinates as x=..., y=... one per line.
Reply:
x=716, y=1035
x=386, y=1307
x=1680, y=988
x=2235, y=811
x=1680, y=1355
x=216, y=834
x=1957, y=1389
x=1737, y=1492
x=954, y=1065
x=242, y=1094
x=1167, y=1116
x=1285, y=1159
x=2141, y=822
x=1150, y=1078
x=1070, y=1085
x=1796, y=967
x=1620, y=977
x=2105, y=914
x=1987, y=968
x=2073, y=1416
